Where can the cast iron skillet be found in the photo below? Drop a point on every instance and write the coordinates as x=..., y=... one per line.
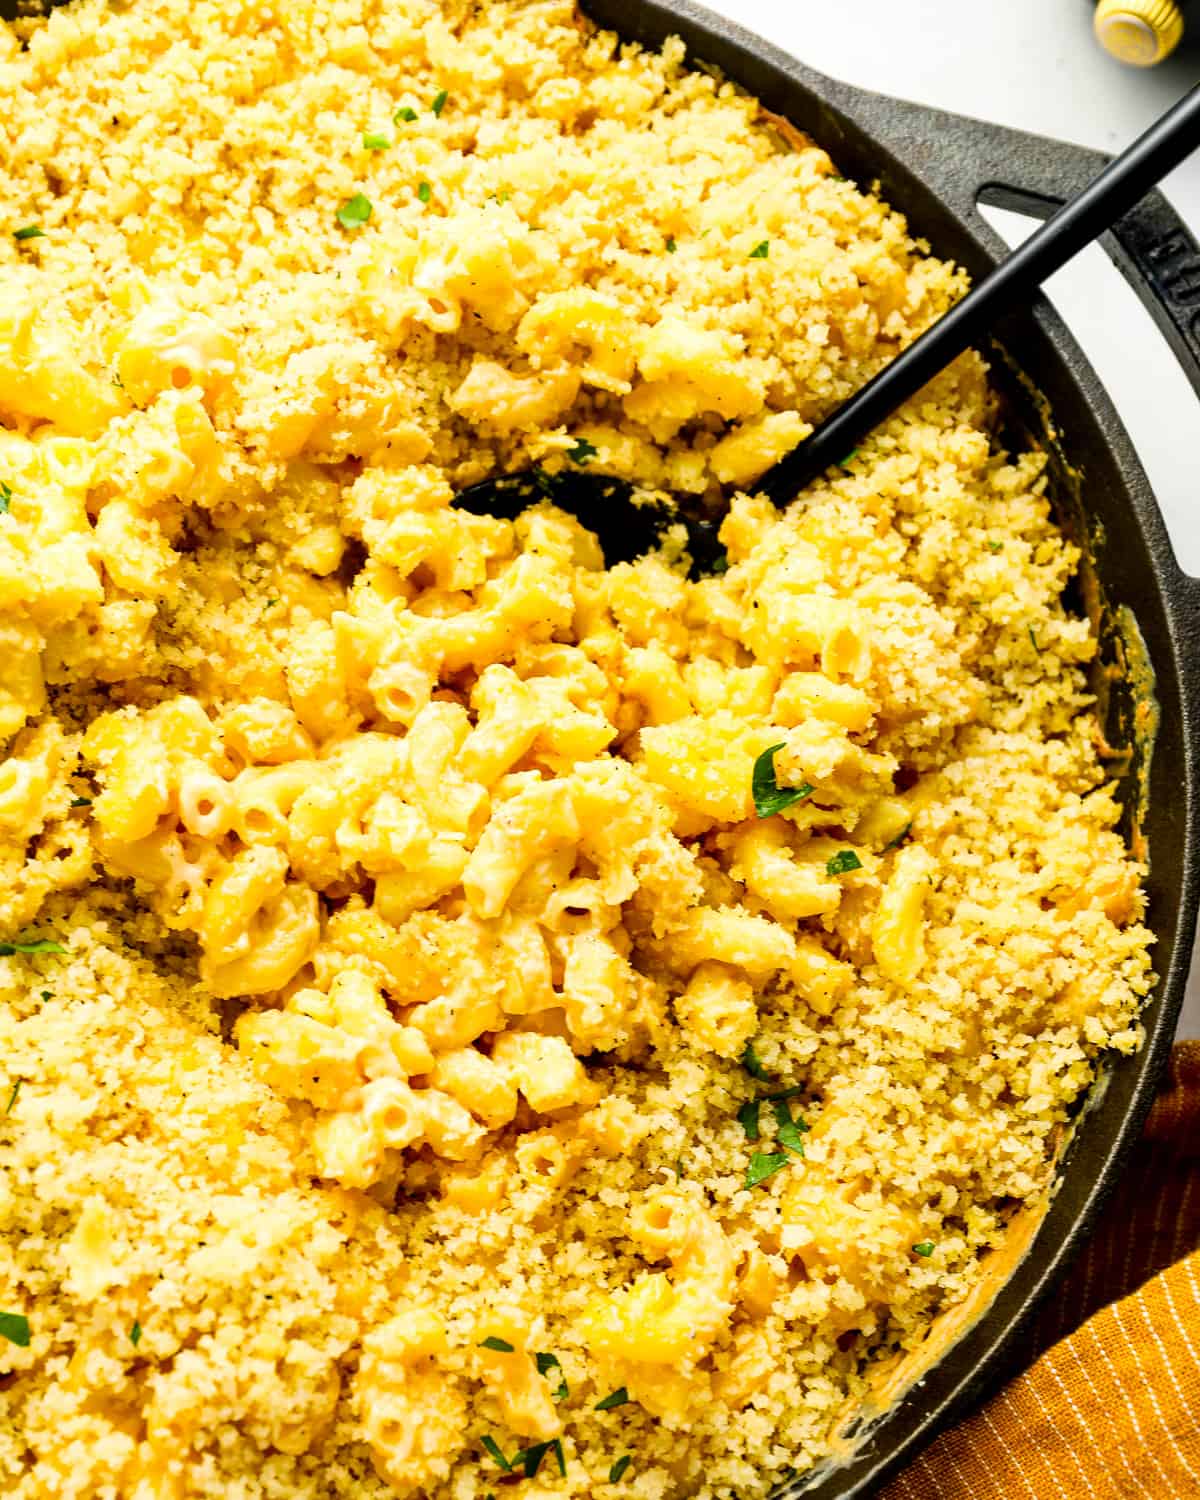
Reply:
x=936, y=168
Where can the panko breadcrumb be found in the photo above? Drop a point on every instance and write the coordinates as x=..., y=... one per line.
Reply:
x=474, y=1017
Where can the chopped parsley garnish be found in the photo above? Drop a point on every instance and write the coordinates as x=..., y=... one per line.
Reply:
x=752, y=1065
x=925, y=1248
x=748, y=1119
x=546, y=1364
x=30, y=232
x=769, y=796
x=81, y=802
x=619, y=1397
x=135, y=1334
x=270, y=604
x=1033, y=638
x=405, y=113
x=375, y=142
x=619, y=1467
x=761, y=250
x=494, y=1448
x=501, y=1346
x=12, y=1098
x=439, y=101
x=764, y=1164
x=355, y=212
x=994, y=546
x=424, y=192
x=531, y=1458
x=671, y=245
x=720, y=565
x=581, y=451
x=5, y=498
x=844, y=463
x=789, y=1132
x=15, y=1328
x=842, y=862
x=900, y=837
x=47, y=994
x=40, y=945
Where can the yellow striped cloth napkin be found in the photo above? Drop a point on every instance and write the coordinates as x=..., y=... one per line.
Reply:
x=1109, y=1408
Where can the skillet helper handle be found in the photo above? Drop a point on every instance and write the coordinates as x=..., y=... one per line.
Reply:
x=973, y=161
x=1116, y=190
x=1158, y=254
x=1150, y=245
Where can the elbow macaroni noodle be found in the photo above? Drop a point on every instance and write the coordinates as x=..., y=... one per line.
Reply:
x=439, y=1052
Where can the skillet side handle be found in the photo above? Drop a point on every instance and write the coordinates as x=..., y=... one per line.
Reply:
x=1156, y=253
x=1159, y=257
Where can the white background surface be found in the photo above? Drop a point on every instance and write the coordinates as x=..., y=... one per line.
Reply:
x=1033, y=64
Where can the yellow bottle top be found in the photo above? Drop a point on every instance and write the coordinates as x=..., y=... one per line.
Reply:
x=1141, y=32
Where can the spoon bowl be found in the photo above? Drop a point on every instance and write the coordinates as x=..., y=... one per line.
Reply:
x=626, y=526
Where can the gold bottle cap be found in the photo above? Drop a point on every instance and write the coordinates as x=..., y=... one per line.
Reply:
x=1141, y=32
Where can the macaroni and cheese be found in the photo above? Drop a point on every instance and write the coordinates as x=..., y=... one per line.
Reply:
x=471, y=1015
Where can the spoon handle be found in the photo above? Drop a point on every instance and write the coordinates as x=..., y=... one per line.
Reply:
x=1122, y=184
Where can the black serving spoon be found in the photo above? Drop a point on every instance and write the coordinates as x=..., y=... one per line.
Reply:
x=604, y=504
